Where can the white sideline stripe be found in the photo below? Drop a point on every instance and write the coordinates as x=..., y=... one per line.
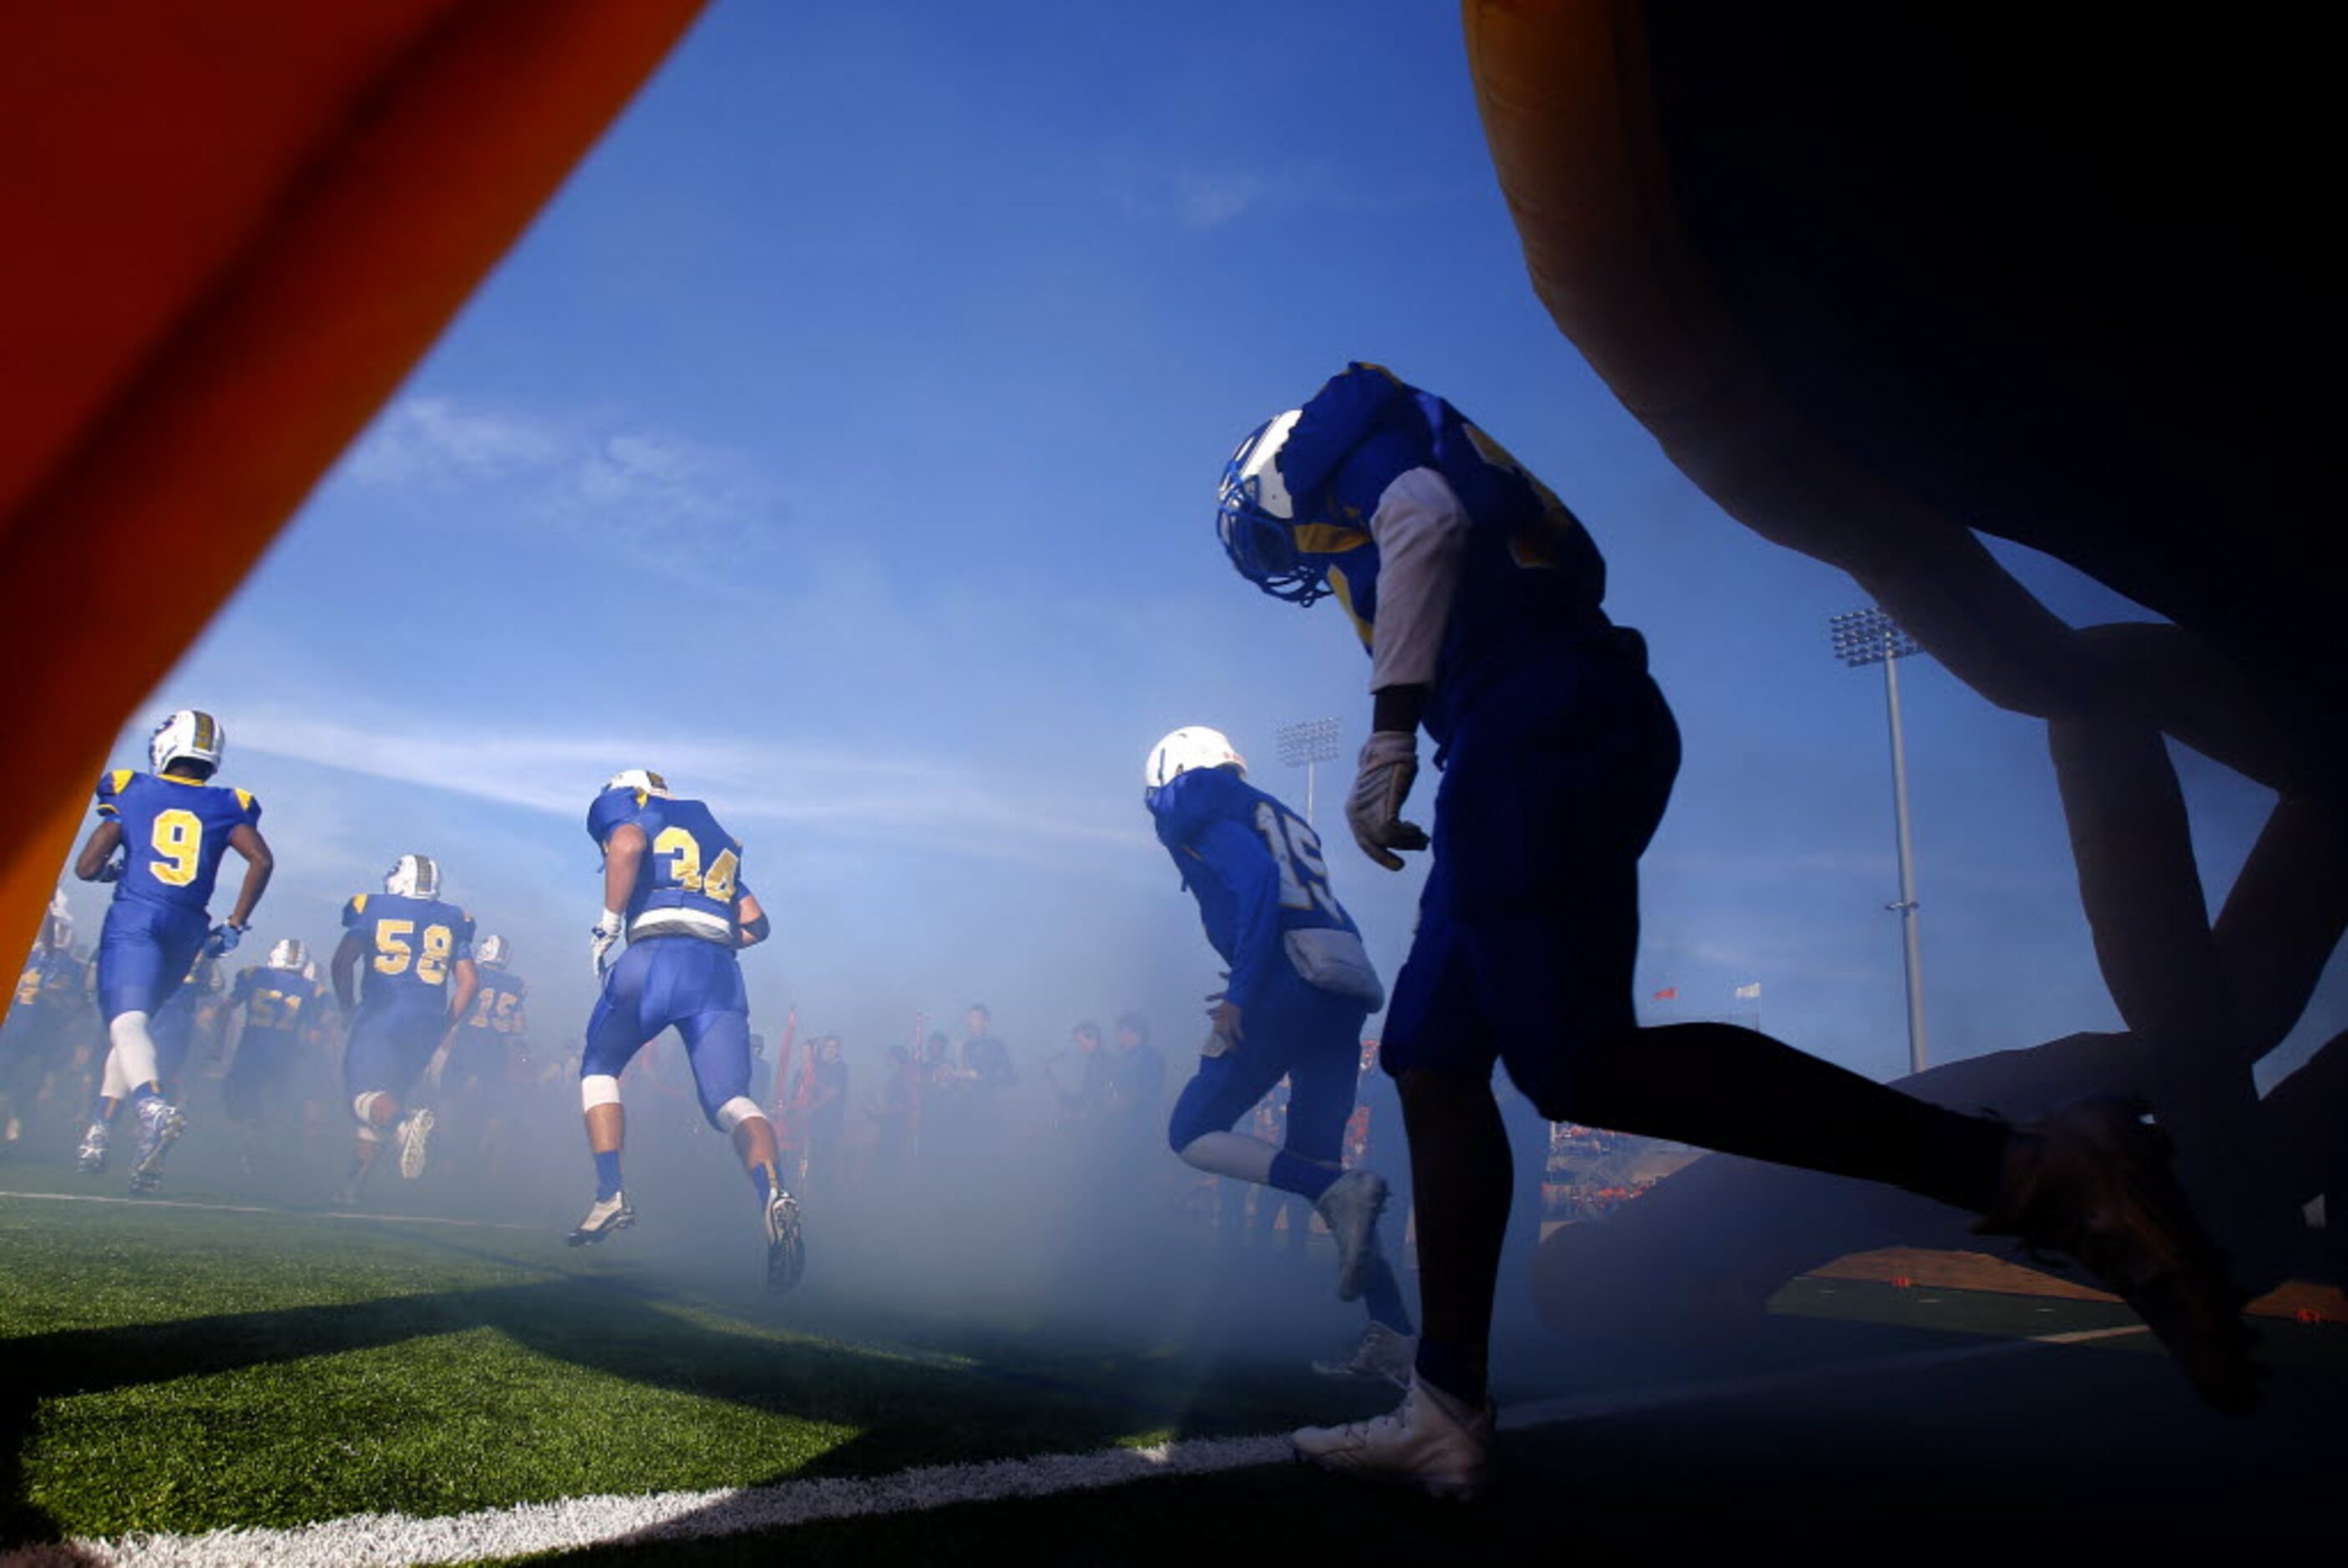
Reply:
x=572, y=1523
x=264, y=1209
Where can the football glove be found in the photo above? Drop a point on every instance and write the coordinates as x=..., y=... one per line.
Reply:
x=111, y=871
x=605, y=937
x=1389, y=767
x=223, y=939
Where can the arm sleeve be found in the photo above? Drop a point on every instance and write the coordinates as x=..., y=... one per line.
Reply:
x=109, y=785
x=1241, y=860
x=1420, y=529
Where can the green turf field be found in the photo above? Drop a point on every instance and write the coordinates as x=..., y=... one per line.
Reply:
x=182, y=1369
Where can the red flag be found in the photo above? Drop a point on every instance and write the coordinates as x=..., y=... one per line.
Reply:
x=1668, y=994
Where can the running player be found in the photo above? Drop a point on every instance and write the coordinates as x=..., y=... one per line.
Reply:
x=1299, y=988
x=159, y=841
x=1477, y=594
x=673, y=888
x=419, y=952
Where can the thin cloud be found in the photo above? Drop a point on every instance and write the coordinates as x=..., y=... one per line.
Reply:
x=904, y=797
x=649, y=499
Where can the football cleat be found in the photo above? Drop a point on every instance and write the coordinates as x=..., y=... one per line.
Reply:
x=90, y=1157
x=1193, y=746
x=786, y=1248
x=413, y=876
x=2092, y=1181
x=1380, y=1352
x=1351, y=1207
x=1432, y=1443
x=604, y=1216
x=159, y=1126
x=188, y=736
x=412, y=1134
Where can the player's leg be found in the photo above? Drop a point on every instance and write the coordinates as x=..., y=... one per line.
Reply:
x=375, y=1074
x=143, y=953
x=717, y=1046
x=616, y=1031
x=2088, y=1179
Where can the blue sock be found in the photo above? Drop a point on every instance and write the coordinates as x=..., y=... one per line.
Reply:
x=607, y=1176
x=1301, y=1177
x=1382, y=1297
x=762, y=1177
x=143, y=1093
x=1455, y=1369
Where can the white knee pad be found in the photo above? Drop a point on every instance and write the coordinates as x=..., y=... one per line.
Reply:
x=362, y=1106
x=370, y=1133
x=598, y=1088
x=134, y=1049
x=737, y=1111
x=1232, y=1154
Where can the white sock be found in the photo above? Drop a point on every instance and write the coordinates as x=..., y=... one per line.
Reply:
x=133, y=1056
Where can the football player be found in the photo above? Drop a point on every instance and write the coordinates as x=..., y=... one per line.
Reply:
x=1477, y=594
x=159, y=841
x=283, y=1006
x=48, y=996
x=1299, y=988
x=672, y=889
x=489, y=1049
x=419, y=952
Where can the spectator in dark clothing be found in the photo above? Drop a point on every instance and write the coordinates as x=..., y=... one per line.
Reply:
x=1079, y=1078
x=1137, y=1077
x=986, y=1060
x=827, y=1113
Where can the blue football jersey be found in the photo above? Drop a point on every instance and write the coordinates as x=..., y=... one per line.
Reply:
x=1529, y=573
x=411, y=944
x=175, y=832
x=497, y=1005
x=690, y=882
x=1255, y=867
x=277, y=1001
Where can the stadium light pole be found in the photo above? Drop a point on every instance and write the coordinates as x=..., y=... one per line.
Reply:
x=1301, y=744
x=1871, y=637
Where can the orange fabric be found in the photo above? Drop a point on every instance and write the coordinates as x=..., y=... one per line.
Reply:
x=1565, y=92
x=239, y=225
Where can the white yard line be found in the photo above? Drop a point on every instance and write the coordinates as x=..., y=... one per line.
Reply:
x=264, y=1209
x=581, y=1522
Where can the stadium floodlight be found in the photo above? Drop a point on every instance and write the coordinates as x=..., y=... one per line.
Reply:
x=1303, y=743
x=1871, y=637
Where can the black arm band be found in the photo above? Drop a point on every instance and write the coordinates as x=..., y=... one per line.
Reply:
x=755, y=930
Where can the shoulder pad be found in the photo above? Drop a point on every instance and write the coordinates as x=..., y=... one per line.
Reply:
x=248, y=805
x=610, y=811
x=111, y=784
x=356, y=907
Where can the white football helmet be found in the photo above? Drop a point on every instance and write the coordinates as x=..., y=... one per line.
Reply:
x=490, y=952
x=189, y=735
x=309, y=969
x=1193, y=746
x=413, y=876
x=639, y=778
x=289, y=955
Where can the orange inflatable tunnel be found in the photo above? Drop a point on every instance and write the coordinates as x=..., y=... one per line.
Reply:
x=234, y=227
x=1878, y=277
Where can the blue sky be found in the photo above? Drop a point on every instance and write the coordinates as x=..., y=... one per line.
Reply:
x=842, y=442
